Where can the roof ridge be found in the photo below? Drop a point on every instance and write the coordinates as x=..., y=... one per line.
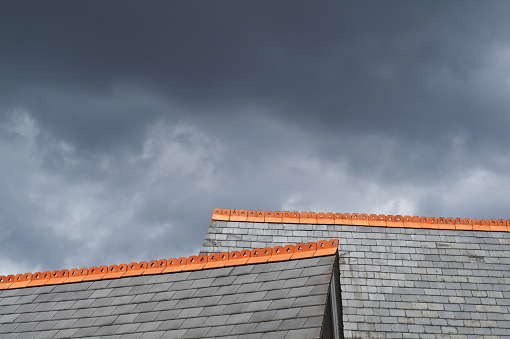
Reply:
x=362, y=219
x=192, y=263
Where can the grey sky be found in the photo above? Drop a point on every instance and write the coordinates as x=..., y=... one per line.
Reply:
x=123, y=124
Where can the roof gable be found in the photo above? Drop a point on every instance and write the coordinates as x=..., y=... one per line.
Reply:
x=284, y=294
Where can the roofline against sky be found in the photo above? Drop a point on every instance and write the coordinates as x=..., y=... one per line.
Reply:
x=362, y=219
x=193, y=263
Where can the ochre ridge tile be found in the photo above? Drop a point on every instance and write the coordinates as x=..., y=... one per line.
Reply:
x=162, y=266
x=362, y=219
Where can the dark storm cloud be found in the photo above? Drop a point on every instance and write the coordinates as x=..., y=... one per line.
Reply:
x=124, y=124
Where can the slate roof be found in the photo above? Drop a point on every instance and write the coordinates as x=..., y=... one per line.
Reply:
x=401, y=277
x=284, y=294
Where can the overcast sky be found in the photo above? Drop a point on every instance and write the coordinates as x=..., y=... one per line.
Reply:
x=124, y=124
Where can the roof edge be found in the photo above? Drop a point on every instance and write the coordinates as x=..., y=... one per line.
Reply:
x=362, y=219
x=193, y=263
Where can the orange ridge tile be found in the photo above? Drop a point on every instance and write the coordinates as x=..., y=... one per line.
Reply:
x=6, y=281
x=21, y=280
x=57, y=277
x=214, y=260
x=280, y=253
x=175, y=265
x=363, y=219
x=39, y=278
x=155, y=266
x=76, y=275
x=135, y=268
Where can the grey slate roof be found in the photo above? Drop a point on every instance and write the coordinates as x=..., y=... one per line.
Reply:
x=402, y=282
x=284, y=299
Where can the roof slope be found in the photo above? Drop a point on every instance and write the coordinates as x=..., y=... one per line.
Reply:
x=281, y=299
x=407, y=281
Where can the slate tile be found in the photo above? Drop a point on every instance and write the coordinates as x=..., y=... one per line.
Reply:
x=277, y=294
x=44, y=289
x=193, y=322
x=165, y=305
x=144, y=307
x=139, y=289
x=298, y=282
x=163, y=287
x=41, y=316
x=311, y=311
x=300, y=292
x=261, y=316
x=123, y=309
x=219, y=330
x=187, y=303
x=114, y=283
x=184, y=294
x=127, y=318
x=254, y=296
x=85, y=322
x=64, y=324
x=171, y=324
x=138, y=280
x=196, y=332
x=102, y=311
x=67, y=333
x=63, y=305
x=25, y=327
x=258, y=305
x=142, y=298
x=267, y=326
x=212, y=310
x=45, y=334
x=187, y=312
x=243, y=328
x=106, y=330
x=99, y=284
x=163, y=334
x=9, y=318
x=101, y=293
x=149, y=326
x=282, y=304
x=80, y=304
x=8, y=328
x=267, y=276
x=105, y=320
x=223, y=281
x=120, y=291
x=292, y=323
x=205, y=292
x=127, y=328
x=230, y=299
x=250, y=287
x=161, y=296
x=220, y=272
x=208, y=301
x=26, y=299
x=122, y=300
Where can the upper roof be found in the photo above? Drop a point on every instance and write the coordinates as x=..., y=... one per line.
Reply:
x=419, y=280
x=278, y=292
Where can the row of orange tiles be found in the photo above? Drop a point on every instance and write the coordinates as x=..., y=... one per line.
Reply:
x=361, y=219
x=234, y=258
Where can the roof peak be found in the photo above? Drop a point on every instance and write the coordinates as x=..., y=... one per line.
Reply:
x=192, y=263
x=406, y=221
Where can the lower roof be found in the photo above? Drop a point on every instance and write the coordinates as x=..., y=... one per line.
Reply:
x=283, y=299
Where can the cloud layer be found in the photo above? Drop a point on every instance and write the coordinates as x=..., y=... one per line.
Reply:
x=122, y=125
